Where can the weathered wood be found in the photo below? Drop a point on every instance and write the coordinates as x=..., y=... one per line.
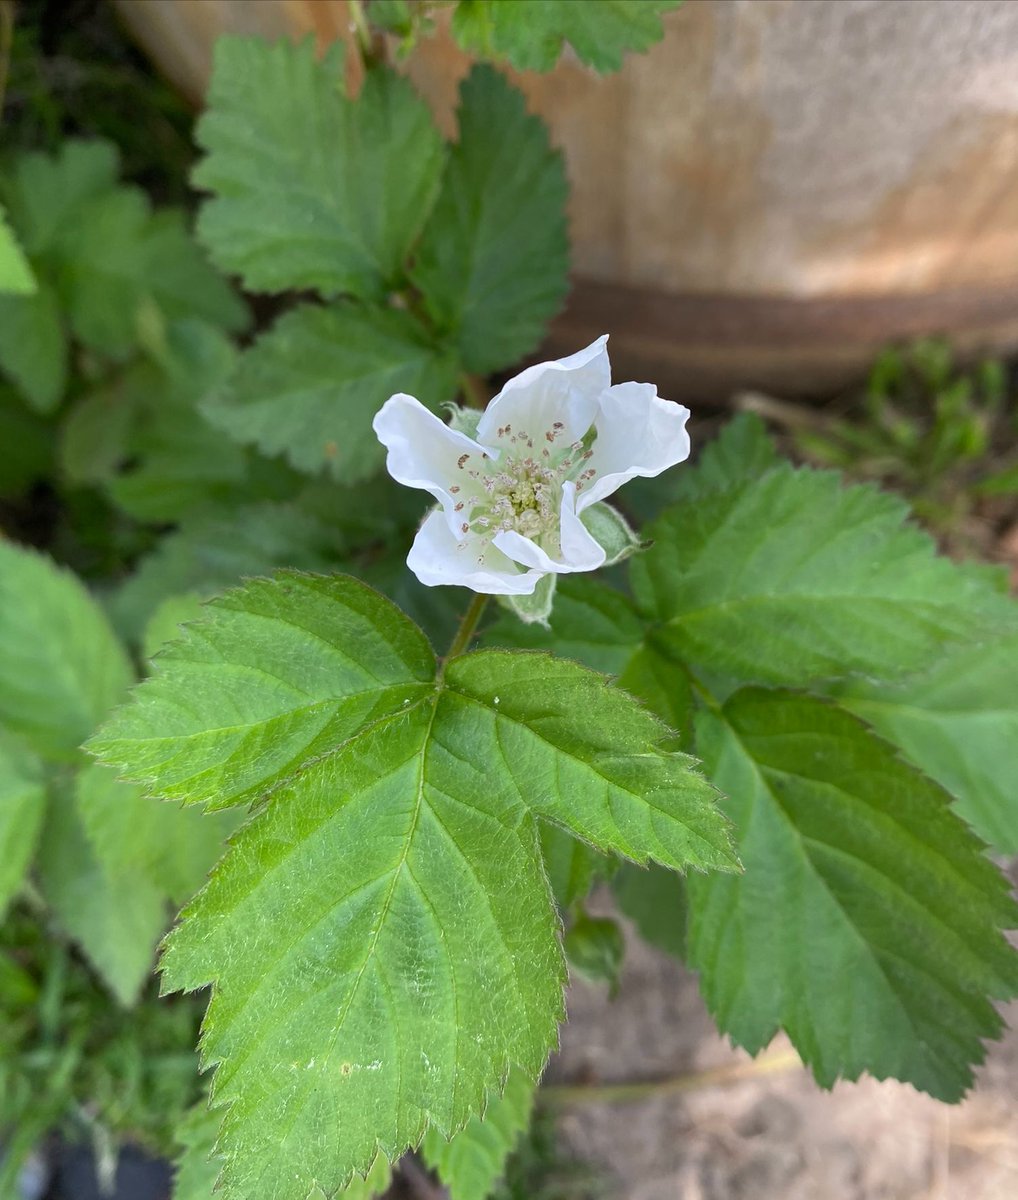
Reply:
x=817, y=152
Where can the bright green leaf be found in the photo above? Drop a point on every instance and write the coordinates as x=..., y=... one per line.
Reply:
x=493, y=260
x=595, y=949
x=173, y=848
x=572, y=866
x=15, y=272
x=590, y=622
x=380, y=936
x=45, y=192
x=655, y=900
x=471, y=1163
x=310, y=387
x=61, y=668
x=311, y=190
x=867, y=921
x=282, y=671
x=215, y=550
x=22, y=808
x=116, y=917
x=530, y=33
x=796, y=577
x=959, y=724
x=102, y=269
x=182, y=281
x=33, y=346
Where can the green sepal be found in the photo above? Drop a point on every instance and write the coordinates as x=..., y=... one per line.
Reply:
x=612, y=532
x=534, y=609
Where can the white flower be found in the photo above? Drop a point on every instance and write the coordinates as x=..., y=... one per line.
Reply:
x=557, y=439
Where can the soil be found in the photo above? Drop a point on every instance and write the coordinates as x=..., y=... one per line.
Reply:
x=731, y=1128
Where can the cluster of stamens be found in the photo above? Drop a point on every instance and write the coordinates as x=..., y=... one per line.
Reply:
x=522, y=491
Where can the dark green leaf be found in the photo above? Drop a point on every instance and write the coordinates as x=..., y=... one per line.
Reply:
x=493, y=260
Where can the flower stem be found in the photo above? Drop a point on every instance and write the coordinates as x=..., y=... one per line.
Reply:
x=468, y=627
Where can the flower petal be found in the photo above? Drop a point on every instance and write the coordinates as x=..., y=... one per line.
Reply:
x=566, y=390
x=436, y=557
x=425, y=453
x=580, y=552
x=638, y=434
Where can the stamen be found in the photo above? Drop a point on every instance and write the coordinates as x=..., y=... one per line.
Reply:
x=461, y=460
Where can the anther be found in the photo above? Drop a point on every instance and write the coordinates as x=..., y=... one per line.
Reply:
x=461, y=460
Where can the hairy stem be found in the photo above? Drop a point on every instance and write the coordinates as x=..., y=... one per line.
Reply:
x=468, y=627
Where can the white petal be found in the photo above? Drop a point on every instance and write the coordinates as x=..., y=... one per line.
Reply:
x=580, y=552
x=565, y=390
x=425, y=453
x=638, y=434
x=436, y=557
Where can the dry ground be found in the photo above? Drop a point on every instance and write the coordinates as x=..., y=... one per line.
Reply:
x=739, y=1130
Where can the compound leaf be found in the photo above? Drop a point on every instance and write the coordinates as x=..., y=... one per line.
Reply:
x=590, y=622
x=958, y=723
x=867, y=921
x=493, y=260
x=380, y=937
x=281, y=671
x=22, y=808
x=310, y=387
x=531, y=33
x=61, y=668
x=15, y=272
x=33, y=346
x=471, y=1163
x=116, y=916
x=795, y=577
x=310, y=189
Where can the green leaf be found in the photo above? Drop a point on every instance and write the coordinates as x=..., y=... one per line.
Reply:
x=959, y=724
x=655, y=900
x=15, y=272
x=182, y=281
x=595, y=949
x=130, y=833
x=590, y=622
x=26, y=446
x=866, y=923
x=310, y=387
x=214, y=550
x=196, y=1169
x=102, y=269
x=61, y=668
x=116, y=917
x=22, y=808
x=493, y=260
x=266, y=684
x=380, y=935
x=530, y=33
x=33, y=347
x=654, y=677
x=176, y=462
x=44, y=192
x=472, y=1162
x=742, y=452
x=572, y=866
x=795, y=577
x=311, y=190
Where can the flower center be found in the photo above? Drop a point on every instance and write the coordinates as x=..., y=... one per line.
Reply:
x=522, y=491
